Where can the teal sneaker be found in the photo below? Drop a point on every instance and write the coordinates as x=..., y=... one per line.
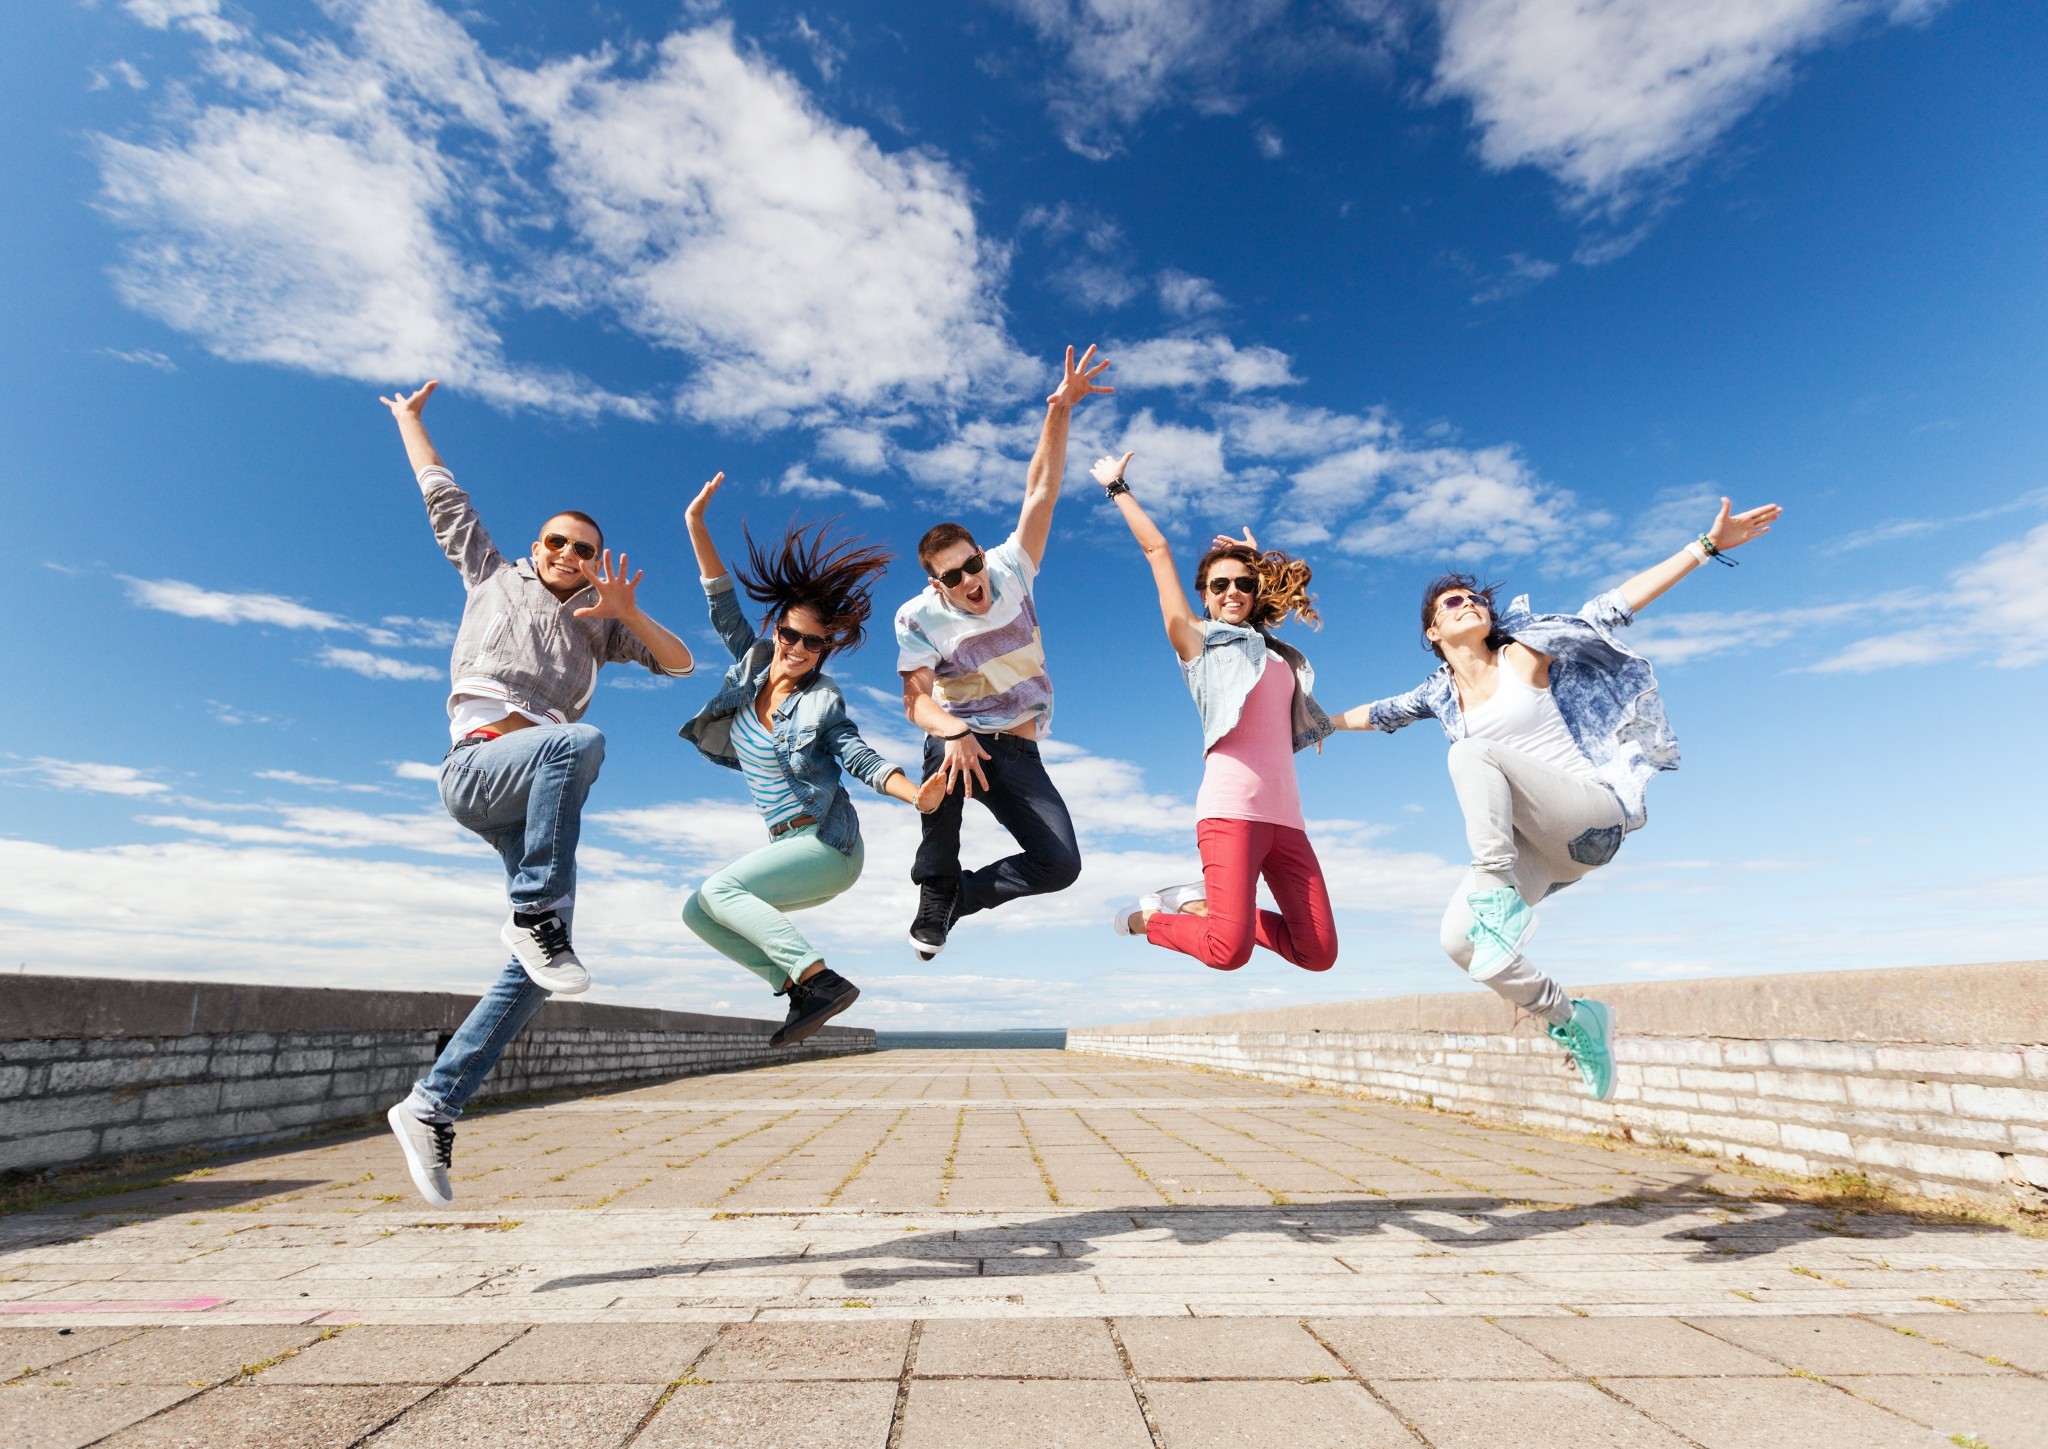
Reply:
x=1589, y=1037
x=1501, y=923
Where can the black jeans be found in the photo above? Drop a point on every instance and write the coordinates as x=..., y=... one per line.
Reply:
x=1022, y=798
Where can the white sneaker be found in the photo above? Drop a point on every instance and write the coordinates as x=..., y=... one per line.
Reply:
x=1178, y=898
x=1127, y=918
x=429, y=1148
x=543, y=949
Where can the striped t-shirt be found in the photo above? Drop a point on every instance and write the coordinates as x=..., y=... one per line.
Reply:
x=769, y=782
x=990, y=668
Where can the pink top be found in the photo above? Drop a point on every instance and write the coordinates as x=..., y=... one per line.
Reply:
x=1250, y=774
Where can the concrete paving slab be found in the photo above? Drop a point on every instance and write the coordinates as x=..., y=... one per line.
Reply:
x=1051, y=1348
x=1005, y=1414
x=1829, y=1346
x=1224, y=1348
x=2020, y=1339
x=378, y=1353
x=1300, y=1416
x=194, y=1357
x=2005, y=1413
x=1468, y=1414
x=280, y=1417
x=25, y=1349
x=774, y=1416
x=532, y=1416
x=42, y=1416
x=1433, y=1348
x=1640, y=1346
x=1780, y=1413
x=809, y=1351
x=596, y=1353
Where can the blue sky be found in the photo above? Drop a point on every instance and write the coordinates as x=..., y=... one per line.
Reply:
x=1400, y=283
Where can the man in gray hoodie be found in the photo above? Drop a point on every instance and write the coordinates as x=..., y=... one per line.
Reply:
x=534, y=634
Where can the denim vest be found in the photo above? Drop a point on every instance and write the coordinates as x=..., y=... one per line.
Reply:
x=814, y=739
x=1606, y=694
x=1222, y=676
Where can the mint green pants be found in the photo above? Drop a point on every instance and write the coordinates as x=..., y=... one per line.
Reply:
x=739, y=911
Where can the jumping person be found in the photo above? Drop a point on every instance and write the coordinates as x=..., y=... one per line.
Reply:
x=974, y=681
x=1555, y=730
x=534, y=634
x=1256, y=699
x=782, y=723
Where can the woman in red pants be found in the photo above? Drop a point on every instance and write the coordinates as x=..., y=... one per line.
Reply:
x=1257, y=708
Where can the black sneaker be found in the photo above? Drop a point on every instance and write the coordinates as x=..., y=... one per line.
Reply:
x=812, y=1003
x=938, y=906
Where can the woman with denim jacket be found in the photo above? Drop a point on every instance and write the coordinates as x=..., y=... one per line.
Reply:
x=782, y=723
x=1555, y=729
x=1255, y=696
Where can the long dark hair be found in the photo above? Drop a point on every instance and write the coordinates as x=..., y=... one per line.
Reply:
x=1449, y=583
x=1283, y=584
x=834, y=579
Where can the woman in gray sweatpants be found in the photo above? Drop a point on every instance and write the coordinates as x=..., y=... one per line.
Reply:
x=1555, y=730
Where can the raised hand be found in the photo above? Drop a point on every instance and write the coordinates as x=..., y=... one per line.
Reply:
x=1107, y=470
x=404, y=405
x=1079, y=382
x=931, y=794
x=615, y=591
x=1734, y=531
x=1224, y=540
x=703, y=499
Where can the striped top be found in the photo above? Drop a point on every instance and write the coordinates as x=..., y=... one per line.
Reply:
x=769, y=782
x=990, y=668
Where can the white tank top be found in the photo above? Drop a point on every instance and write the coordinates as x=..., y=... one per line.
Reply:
x=1525, y=718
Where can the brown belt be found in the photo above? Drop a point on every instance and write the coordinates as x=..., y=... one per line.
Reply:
x=798, y=823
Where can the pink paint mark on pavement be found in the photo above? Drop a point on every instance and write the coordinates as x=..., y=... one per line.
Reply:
x=155, y=1305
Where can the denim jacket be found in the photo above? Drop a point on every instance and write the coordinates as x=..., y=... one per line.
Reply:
x=518, y=642
x=813, y=736
x=1222, y=675
x=1606, y=694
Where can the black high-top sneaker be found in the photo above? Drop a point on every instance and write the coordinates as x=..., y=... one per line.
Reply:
x=813, y=1003
x=938, y=906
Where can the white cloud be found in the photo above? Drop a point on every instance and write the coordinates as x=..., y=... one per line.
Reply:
x=416, y=770
x=1992, y=612
x=376, y=666
x=864, y=449
x=93, y=778
x=1520, y=275
x=364, y=203
x=1192, y=362
x=1613, y=98
x=1122, y=58
x=1268, y=139
x=191, y=601
x=141, y=357
x=201, y=17
x=800, y=482
x=1185, y=295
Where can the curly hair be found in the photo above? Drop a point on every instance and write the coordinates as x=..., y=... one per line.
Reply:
x=1283, y=584
x=833, y=579
x=1451, y=583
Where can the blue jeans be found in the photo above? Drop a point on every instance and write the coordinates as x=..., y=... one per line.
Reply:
x=1022, y=798
x=524, y=793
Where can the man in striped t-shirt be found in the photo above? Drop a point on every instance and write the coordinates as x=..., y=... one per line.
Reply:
x=974, y=681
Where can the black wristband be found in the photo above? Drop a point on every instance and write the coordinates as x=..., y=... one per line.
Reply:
x=961, y=736
x=1114, y=487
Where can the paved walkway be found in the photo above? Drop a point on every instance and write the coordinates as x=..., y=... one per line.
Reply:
x=977, y=1250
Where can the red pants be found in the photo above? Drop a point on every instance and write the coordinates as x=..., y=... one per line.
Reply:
x=1235, y=853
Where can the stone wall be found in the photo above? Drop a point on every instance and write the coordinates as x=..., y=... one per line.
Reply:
x=96, y=1067
x=1934, y=1078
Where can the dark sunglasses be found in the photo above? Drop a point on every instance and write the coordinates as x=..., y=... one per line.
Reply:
x=814, y=642
x=951, y=577
x=556, y=542
x=1244, y=583
x=1459, y=601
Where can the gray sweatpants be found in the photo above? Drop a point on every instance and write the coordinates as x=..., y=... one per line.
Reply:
x=1532, y=828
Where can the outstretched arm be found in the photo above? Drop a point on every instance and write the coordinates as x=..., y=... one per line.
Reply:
x=618, y=598
x=1049, y=463
x=406, y=408
x=709, y=564
x=1183, y=629
x=453, y=517
x=1729, y=532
